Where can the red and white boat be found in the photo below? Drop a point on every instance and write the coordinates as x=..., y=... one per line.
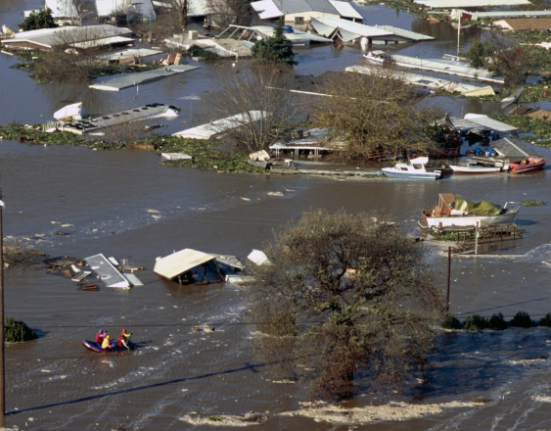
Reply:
x=529, y=164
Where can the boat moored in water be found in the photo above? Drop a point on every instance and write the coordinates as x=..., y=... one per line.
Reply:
x=530, y=164
x=472, y=168
x=454, y=210
x=414, y=170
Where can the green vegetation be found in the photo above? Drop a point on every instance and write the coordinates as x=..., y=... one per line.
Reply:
x=522, y=320
x=497, y=322
x=451, y=322
x=16, y=332
x=37, y=20
x=532, y=203
x=475, y=323
x=17, y=255
x=197, y=51
x=275, y=50
x=215, y=418
x=546, y=320
x=540, y=128
x=60, y=66
x=364, y=292
x=205, y=154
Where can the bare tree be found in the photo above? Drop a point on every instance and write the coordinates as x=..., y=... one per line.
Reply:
x=373, y=112
x=75, y=56
x=226, y=12
x=181, y=10
x=241, y=91
x=344, y=295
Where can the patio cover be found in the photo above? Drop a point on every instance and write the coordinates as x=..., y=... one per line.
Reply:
x=180, y=262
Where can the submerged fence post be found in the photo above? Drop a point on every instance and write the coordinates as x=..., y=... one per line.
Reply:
x=449, y=277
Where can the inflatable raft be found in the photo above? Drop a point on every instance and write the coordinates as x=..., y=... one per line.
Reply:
x=95, y=347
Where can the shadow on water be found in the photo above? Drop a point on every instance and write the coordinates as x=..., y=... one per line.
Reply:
x=247, y=367
x=471, y=363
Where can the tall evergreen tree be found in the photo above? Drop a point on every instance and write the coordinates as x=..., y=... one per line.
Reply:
x=275, y=50
x=36, y=20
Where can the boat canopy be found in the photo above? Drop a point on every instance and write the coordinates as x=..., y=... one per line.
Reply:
x=476, y=208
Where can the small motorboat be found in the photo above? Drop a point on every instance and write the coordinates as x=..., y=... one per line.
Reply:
x=415, y=169
x=529, y=164
x=469, y=167
x=95, y=347
x=454, y=210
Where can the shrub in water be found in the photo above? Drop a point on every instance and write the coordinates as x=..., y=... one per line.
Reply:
x=475, y=322
x=451, y=322
x=15, y=332
x=497, y=322
x=546, y=320
x=522, y=320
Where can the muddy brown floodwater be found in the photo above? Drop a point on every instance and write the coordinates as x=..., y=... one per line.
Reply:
x=125, y=204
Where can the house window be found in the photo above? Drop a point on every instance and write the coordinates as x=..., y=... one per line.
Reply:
x=299, y=20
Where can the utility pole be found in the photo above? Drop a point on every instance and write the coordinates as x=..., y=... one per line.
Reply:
x=2, y=356
x=449, y=276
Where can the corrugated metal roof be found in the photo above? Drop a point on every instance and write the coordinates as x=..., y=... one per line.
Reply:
x=490, y=123
x=502, y=13
x=484, y=91
x=354, y=27
x=182, y=261
x=298, y=6
x=346, y=10
x=107, y=272
x=62, y=35
x=512, y=147
x=441, y=66
x=321, y=28
x=102, y=41
x=210, y=130
x=449, y=4
x=296, y=36
x=266, y=9
x=406, y=33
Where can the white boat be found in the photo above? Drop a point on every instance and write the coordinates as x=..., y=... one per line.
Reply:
x=454, y=210
x=415, y=169
x=472, y=168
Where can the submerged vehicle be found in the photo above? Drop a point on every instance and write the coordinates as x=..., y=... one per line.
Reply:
x=415, y=169
x=96, y=347
x=455, y=210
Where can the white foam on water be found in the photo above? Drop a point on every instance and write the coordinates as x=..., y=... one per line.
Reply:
x=542, y=398
x=320, y=411
x=225, y=420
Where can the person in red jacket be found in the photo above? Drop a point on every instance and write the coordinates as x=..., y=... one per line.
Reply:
x=100, y=336
x=124, y=338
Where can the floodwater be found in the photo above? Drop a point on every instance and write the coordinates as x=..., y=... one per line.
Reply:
x=125, y=204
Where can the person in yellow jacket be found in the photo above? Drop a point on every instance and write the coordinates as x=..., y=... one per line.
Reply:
x=106, y=345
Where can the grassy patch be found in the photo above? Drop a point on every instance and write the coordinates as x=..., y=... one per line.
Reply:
x=205, y=154
x=16, y=332
x=540, y=128
x=215, y=418
x=532, y=203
